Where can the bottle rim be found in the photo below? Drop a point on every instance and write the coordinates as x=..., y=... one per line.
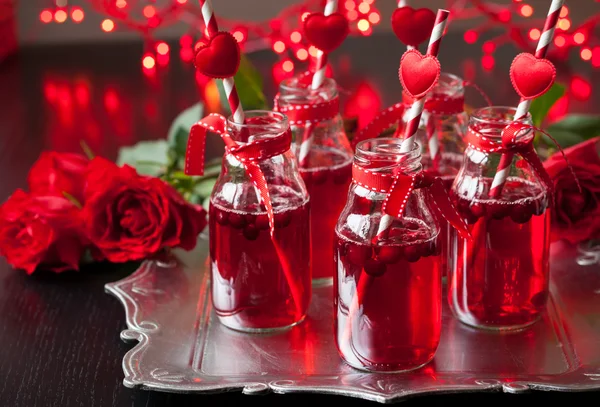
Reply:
x=501, y=115
x=386, y=151
x=279, y=120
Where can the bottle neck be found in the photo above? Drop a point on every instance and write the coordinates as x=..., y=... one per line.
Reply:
x=385, y=156
x=490, y=122
x=298, y=91
x=259, y=125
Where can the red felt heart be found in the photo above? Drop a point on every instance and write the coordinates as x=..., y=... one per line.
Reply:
x=530, y=76
x=220, y=57
x=411, y=26
x=418, y=73
x=326, y=32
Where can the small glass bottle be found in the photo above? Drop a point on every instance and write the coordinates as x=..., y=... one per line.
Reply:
x=325, y=163
x=445, y=119
x=499, y=280
x=444, y=124
x=260, y=284
x=387, y=291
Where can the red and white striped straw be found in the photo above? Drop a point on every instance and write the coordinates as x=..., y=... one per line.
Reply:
x=413, y=115
x=317, y=81
x=212, y=29
x=503, y=169
x=416, y=109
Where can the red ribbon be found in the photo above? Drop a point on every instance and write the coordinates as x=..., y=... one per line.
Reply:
x=305, y=113
x=248, y=154
x=438, y=104
x=398, y=187
x=511, y=145
x=381, y=122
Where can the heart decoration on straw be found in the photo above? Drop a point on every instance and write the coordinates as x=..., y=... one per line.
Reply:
x=530, y=76
x=412, y=26
x=503, y=169
x=220, y=57
x=326, y=32
x=224, y=63
x=418, y=73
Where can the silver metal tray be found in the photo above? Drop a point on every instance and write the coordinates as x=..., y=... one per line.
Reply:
x=182, y=348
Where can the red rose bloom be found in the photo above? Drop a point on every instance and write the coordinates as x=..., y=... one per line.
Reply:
x=54, y=173
x=576, y=216
x=40, y=231
x=129, y=217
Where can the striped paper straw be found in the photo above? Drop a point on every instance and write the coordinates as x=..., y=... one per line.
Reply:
x=228, y=84
x=398, y=132
x=416, y=109
x=503, y=169
x=317, y=81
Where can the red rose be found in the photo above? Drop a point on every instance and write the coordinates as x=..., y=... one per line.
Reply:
x=40, y=231
x=576, y=216
x=54, y=173
x=129, y=217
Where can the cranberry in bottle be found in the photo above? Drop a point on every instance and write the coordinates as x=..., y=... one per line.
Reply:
x=260, y=282
x=388, y=286
x=499, y=280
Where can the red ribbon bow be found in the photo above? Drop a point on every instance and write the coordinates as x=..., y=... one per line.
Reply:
x=399, y=186
x=511, y=145
x=248, y=154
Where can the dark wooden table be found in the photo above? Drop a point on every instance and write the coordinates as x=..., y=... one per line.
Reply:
x=59, y=334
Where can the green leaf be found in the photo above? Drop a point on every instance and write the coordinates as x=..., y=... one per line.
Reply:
x=204, y=188
x=249, y=84
x=147, y=157
x=180, y=128
x=542, y=105
x=584, y=125
x=206, y=203
x=564, y=137
x=179, y=143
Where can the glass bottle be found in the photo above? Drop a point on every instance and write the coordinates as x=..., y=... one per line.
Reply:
x=499, y=280
x=387, y=291
x=325, y=165
x=258, y=283
x=445, y=120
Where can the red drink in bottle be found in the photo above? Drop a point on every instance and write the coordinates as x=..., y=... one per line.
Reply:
x=327, y=185
x=249, y=284
x=261, y=278
x=387, y=290
x=501, y=276
x=325, y=159
x=396, y=284
x=499, y=279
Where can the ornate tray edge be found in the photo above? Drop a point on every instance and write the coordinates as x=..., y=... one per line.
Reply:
x=383, y=391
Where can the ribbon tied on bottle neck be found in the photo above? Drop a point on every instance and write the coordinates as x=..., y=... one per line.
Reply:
x=315, y=111
x=435, y=104
x=514, y=142
x=248, y=154
x=398, y=186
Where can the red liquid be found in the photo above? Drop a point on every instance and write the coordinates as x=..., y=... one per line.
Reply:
x=394, y=322
x=328, y=190
x=448, y=168
x=250, y=289
x=500, y=279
